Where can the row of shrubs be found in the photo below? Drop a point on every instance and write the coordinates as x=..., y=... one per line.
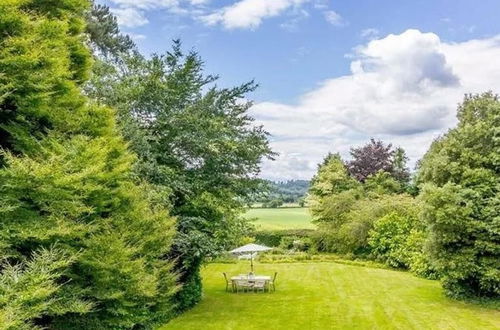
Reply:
x=279, y=255
x=393, y=241
x=276, y=238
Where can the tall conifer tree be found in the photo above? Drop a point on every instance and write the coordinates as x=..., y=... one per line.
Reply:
x=85, y=238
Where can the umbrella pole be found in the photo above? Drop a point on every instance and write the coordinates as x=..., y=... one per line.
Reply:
x=251, y=263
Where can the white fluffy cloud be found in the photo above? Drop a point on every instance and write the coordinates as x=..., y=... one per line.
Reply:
x=402, y=88
x=248, y=13
x=333, y=18
x=241, y=14
x=146, y=4
x=129, y=17
x=133, y=13
x=369, y=33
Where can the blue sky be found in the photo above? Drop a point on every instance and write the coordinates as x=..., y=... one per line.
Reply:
x=330, y=73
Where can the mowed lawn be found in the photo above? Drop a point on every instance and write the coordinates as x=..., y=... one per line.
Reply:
x=281, y=218
x=331, y=296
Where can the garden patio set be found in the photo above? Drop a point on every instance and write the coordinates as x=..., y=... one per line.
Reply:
x=250, y=282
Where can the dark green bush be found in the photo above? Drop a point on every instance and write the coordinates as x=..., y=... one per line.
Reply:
x=191, y=291
x=351, y=218
x=287, y=242
x=295, y=243
x=388, y=239
x=460, y=177
x=273, y=204
x=273, y=237
x=398, y=241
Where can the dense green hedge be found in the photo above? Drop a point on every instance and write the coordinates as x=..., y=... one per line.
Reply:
x=273, y=237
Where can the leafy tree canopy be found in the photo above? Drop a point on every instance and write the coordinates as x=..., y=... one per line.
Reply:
x=196, y=143
x=104, y=33
x=376, y=157
x=460, y=175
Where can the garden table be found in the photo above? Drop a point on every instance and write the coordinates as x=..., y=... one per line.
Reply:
x=251, y=278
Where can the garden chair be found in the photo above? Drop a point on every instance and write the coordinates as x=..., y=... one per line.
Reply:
x=243, y=285
x=260, y=285
x=272, y=282
x=228, y=283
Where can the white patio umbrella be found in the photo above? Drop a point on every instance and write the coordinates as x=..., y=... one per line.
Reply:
x=250, y=248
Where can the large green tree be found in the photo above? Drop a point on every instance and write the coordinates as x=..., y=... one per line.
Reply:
x=196, y=143
x=84, y=244
x=460, y=175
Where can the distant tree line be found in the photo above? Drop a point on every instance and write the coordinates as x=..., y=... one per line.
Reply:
x=274, y=194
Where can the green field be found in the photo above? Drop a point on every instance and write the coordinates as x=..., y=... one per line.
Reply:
x=331, y=296
x=281, y=218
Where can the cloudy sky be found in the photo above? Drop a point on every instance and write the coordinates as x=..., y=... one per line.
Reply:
x=332, y=74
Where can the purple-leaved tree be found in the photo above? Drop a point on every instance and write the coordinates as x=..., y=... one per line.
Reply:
x=369, y=159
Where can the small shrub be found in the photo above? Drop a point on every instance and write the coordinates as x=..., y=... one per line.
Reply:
x=398, y=241
x=273, y=204
x=273, y=237
x=287, y=242
x=276, y=250
x=292, y=257
x=246, y=240
x=225, y=258
x=388, y=240
x=303, y=244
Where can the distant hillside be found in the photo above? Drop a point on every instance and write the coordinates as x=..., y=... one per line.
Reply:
x=275, y=193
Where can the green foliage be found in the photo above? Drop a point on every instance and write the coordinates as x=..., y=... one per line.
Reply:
x=31, y=103
x=104, y=33
x=460, y=175
x=67, y=180
x=346, y=209
x=388, y=239
x=302, y=202
x=370, y=216
x=275, y=203
x=291, y=191
x=274, y=237
x=295, y=243
x=191, y=292
x=382, y=183
x=398, y=240
x=345, y=228
x=332, y=178
x=196, y=143
x=400, y=170
x=30, y=288
x=280, y=256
